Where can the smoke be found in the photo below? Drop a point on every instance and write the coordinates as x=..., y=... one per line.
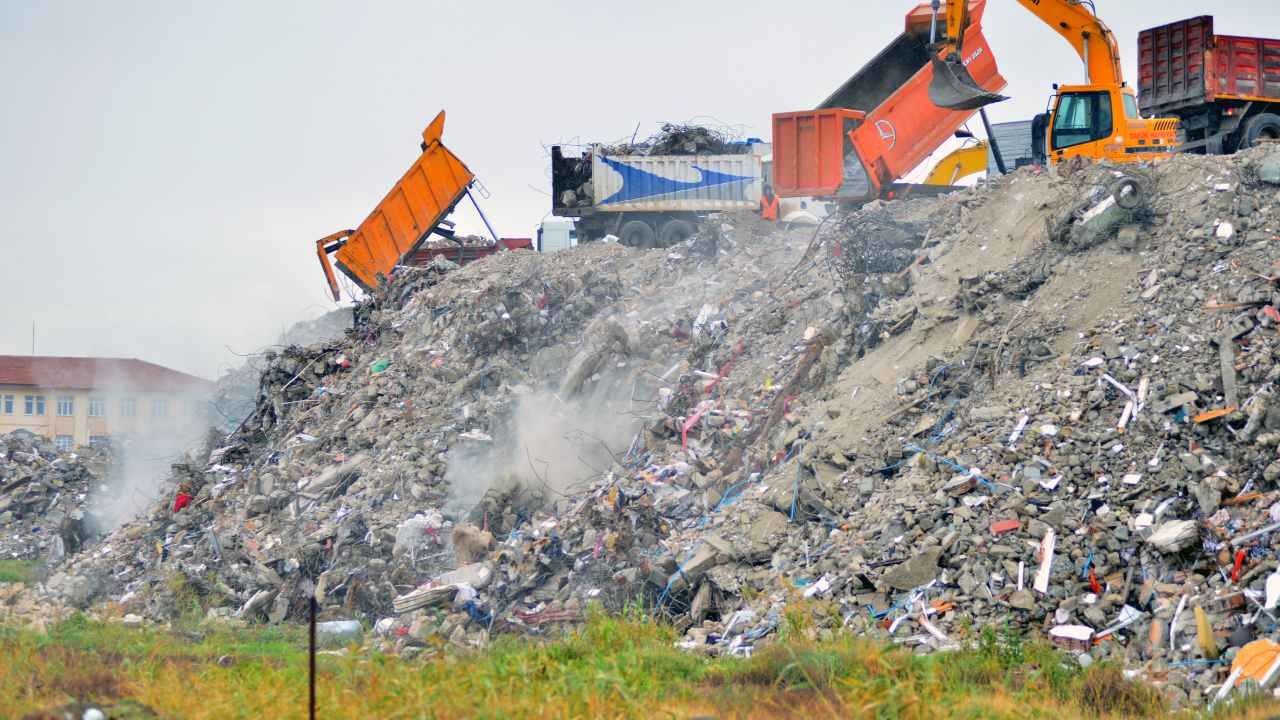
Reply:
x=547, y=448
x=141, y=465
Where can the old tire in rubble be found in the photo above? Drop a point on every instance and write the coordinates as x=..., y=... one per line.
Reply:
x=636, y=234
x=675, y=232
x=1262, y=127
x=1128, y=193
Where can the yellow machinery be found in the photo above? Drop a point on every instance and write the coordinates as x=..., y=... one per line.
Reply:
x=959, y=164
x=1098, y=119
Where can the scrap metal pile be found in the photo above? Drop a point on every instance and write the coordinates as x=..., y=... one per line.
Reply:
x=1046, y=404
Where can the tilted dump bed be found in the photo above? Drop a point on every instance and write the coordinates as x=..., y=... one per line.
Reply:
x=880, y=124
x=413, y=209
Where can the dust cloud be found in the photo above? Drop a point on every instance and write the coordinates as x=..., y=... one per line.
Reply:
x=140, y=468
x=547, y=446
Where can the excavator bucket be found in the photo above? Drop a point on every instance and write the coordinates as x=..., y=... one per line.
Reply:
x=953, y=88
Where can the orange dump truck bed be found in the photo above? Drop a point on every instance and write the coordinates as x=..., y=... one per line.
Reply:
x=398, y=225
x=880, y=124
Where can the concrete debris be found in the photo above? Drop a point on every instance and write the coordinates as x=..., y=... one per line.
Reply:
x=45, y=512
x=926, y=415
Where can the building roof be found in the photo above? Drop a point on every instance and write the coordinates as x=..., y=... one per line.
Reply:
x=109, y=374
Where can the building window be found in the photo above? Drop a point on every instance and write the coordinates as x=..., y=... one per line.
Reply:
x=97, y=407
x=99, y=440
x=33, y=404
x=66, y=406
x=7, y=405
x=159, y=407
x=128, y=407
x=63, y=442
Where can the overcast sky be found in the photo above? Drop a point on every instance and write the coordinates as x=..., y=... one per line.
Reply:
x=165, y=167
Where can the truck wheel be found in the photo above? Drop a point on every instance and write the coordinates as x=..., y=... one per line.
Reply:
x=1263, y=127
x=675, y=232
x=636, y=234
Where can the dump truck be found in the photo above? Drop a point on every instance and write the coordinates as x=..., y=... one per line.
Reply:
x=1225, y=89
x=880, y=124
x=416, y=208
x=652, y=200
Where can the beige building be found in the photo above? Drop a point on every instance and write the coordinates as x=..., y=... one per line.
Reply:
x=81, y=401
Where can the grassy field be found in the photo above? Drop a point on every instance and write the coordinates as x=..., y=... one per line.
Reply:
x=613, y=668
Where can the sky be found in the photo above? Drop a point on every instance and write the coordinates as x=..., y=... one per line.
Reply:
x=165, y=167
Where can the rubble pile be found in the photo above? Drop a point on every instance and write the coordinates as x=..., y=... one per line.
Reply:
x=677, y=139
x=1045, y=404
x=235, y=393
x=44, y=494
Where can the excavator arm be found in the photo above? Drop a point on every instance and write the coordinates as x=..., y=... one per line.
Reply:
x=953, y=88
x=1076, y=21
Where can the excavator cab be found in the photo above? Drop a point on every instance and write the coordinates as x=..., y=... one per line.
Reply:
x=1102, y=122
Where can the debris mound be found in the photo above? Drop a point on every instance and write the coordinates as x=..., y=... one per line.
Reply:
x=1046, y=403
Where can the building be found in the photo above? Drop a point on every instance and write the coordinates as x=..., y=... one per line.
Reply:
x=81, y=401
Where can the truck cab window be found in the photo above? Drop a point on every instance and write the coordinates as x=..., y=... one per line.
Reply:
x=1081, y=118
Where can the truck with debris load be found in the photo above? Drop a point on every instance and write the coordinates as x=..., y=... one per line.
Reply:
x=1224, y=88
x=399, y=229
x=654, y=194
x=881, y=123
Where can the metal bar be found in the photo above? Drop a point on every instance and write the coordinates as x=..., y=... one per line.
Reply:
x=991, y=140
x=311, y=671
x=482, y=217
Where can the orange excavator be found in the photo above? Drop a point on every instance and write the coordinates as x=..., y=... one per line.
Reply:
x=1098, y=119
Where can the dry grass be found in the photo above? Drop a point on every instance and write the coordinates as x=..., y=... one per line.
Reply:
x=613, y=668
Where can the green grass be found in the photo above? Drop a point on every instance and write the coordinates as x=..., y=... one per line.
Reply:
x=614, y=667
x=17, y=571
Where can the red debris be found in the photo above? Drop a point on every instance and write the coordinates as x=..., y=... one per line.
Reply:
x=181, y=500
x=1001, y=527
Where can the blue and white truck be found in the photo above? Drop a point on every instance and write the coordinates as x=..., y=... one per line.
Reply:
x=652, y=200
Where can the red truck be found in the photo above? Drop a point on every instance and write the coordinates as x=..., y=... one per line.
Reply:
x=881, y=123
x=1224, y=88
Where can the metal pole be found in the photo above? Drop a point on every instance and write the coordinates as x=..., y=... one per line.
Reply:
x=482, y=216
x=311, y=678
x=991, y=140
x=933, y=25
x=1086, y=36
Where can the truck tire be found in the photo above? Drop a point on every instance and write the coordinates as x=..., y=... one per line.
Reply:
x=1261, y=127
x=636, y=234
x=675, y=232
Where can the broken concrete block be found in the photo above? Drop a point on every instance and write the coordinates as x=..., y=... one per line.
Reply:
x=470, y=543
x=917, y=571
x=1174, y=536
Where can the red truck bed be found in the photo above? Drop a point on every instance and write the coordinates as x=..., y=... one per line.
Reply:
x=463, y=254
x=1184, y=64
